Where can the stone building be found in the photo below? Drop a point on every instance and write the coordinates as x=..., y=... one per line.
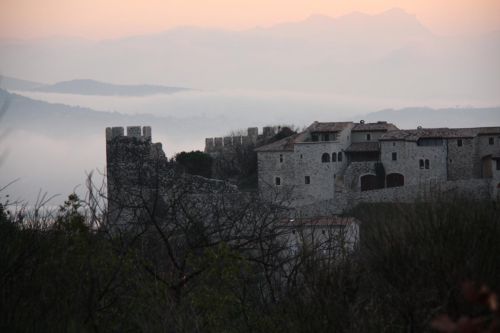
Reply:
x=329, y=162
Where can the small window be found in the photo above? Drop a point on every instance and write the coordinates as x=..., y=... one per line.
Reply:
x=307, y=180
x=491, y=141
x=368, y=137
x=277, y=181
x=421, y=164
x=394, y=156
x=334, y=157
x=339, y=156
x=498, y=164
x=325, y=158
x=459, y=142
x=394, y=144
x=300, y=156
x=314, y=137
x=326, y=137
x=281, y=158
x=427, y=164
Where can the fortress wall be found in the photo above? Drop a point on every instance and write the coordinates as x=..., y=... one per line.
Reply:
x=478, y=189
x=143, y=133
x=218, y=143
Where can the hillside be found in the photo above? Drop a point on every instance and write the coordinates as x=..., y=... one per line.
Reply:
x=92, y=87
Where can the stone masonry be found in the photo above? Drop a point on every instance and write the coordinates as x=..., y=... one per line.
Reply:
x=332, y=164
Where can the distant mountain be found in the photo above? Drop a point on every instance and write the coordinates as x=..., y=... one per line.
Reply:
x=63, y=121
x=10, y=83
x=390, y=55
x=92, y=87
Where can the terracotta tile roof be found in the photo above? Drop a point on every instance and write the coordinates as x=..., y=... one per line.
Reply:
x=356, y=147
x=380, y=126
x=328, y=127
x=285, y=144
x=320, y=221
x=428, y=133
x=488, y=130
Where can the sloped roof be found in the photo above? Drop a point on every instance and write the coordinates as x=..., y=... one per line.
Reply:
x=380, y=126
x=328, y=127
x=285, y=144
x=358, y=147
x=429, y=133
x=488, y=130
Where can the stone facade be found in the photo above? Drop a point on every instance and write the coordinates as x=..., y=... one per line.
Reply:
x=330, y=164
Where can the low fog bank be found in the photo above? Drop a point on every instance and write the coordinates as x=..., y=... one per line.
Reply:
x=53, y=146
x=252, y=106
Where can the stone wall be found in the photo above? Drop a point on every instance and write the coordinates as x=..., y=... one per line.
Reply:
x=141, y=181
x=475, y=189
x=273, y=165
x=408, y=159
x=461, y=159
x=219, y=144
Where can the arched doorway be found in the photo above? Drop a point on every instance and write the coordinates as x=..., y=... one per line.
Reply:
x=487, y=167
x=395, y=180
x=369, y=182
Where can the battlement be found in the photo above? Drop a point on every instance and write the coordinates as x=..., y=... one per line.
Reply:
x=220, y=143
x=143, y=133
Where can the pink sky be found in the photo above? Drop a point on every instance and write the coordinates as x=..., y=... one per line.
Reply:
x=99, y=19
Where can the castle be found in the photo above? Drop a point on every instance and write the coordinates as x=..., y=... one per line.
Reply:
x=331, y=166
x=310, y=179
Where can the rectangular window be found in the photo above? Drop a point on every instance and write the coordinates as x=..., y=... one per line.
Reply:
x=368, y=137
x=421, y=164
x=394, y=156
x=277, y=181
x=459, y=142
x=491, y=141
x=427, y=164
x=307, y=180
x=339, y=157
x=326, y=137
x=314, y=137
x=281, y=158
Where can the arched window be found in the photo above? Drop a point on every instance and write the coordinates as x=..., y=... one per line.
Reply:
x=421, y=163
x=325, y=158
x=395, y=180
x=340, y=156
x=427, y=164
x=334, y=157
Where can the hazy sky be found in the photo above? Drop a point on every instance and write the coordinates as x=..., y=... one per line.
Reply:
x=99, y=19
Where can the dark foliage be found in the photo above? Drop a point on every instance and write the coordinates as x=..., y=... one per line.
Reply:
x=408, y=270
x=196, y=163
